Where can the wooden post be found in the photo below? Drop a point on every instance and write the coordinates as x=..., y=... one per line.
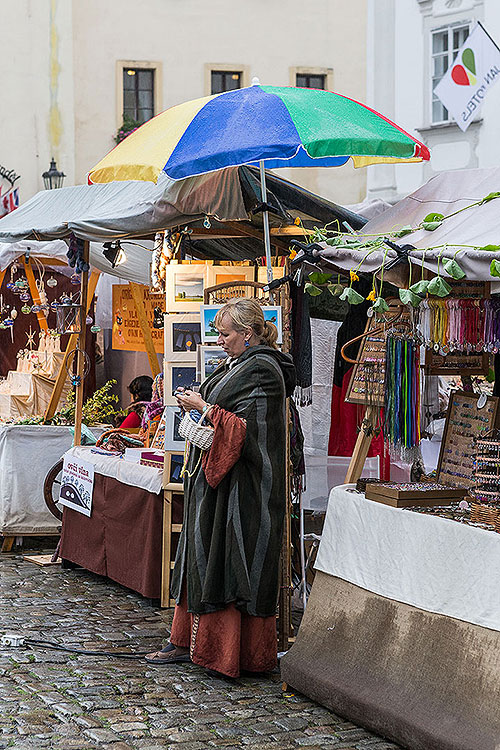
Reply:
x=362, y=446
x=81, y=350
x=136, y=290
x=166, y=549
x=2, y=276
x=42, y=320
x=72, y=342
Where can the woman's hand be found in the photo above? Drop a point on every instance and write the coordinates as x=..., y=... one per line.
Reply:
x=190, y=400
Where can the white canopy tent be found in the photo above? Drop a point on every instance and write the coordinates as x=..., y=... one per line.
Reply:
x=446, y=193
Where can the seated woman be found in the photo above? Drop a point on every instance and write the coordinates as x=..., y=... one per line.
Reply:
x=140, y=389
x=226, y=574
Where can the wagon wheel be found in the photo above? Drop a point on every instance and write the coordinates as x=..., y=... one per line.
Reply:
x=51, y=487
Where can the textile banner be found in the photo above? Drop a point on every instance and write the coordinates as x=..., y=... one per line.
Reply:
x=77, y=485
x=127, y=334
x=475, y=70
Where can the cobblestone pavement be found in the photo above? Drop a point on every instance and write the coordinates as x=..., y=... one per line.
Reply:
x=62, y=701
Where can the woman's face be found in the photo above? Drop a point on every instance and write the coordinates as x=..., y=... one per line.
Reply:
x=232, y=341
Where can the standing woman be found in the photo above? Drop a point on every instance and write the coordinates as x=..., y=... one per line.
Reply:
x=226, y=574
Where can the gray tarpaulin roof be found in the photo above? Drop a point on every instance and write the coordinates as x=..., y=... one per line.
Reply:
x=137, y=209
x=445, y=193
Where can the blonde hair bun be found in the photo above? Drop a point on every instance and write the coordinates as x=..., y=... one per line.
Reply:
x=247, y=314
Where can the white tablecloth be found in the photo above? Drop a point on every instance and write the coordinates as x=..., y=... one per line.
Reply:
x=432, y=563
x=134, y=474
x=27, y=452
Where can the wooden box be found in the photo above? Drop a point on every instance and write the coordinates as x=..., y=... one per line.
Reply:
x=421, y=494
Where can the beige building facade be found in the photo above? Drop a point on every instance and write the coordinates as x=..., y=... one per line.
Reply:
x=71, y=68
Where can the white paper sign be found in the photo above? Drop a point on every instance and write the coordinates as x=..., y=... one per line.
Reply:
x=475, y=70
x=77, y=485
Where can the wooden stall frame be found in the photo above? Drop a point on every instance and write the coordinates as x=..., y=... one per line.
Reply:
x=42, y=320
x=73, y=339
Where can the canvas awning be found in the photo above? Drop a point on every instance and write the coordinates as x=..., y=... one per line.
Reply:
x=120, y=210
x=446, y=193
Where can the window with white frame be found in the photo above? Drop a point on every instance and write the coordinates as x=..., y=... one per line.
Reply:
x=445, y=45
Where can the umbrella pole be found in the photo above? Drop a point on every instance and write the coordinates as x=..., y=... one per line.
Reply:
x=265, y=218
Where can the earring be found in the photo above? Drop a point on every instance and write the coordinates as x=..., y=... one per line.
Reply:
x=246, y=343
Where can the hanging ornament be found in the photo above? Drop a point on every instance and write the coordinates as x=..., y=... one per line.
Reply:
x=36, y=309
x=8, y=322
x=24, y=297
x=54, y=306
x=10, y=285
x=52, y=282
x=26, y=309
x=2, y=325
x=75, y=279
x=95, y=329
x=88, y=320
x=13, y=313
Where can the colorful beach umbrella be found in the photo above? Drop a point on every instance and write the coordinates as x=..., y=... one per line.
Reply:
x=270, y=126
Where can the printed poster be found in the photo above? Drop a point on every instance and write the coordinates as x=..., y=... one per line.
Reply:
x=77, y=485
x=127, y=334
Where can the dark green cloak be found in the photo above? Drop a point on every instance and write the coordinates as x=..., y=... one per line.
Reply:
x=230, y=543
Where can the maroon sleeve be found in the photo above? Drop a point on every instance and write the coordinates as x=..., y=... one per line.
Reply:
x=229, y=438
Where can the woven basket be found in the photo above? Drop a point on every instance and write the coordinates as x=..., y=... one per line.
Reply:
x=195, y=432
x=482, y=513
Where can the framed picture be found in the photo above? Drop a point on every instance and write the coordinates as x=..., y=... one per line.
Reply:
x=172, y=479
x=173, y=418
x=209, y=358
x=224, y=274
x=182, y=337
x=273, y=314
x=184, y=287
x=278, y=273
x=177, y=375
x=209, y=333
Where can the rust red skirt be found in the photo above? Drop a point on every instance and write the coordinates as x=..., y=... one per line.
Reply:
x=227, y=641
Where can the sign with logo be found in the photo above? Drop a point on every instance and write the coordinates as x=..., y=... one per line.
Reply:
x=475, y=70
x=77, y=485
x=127, y=334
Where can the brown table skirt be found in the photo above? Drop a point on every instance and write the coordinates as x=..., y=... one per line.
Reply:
x=122, y=539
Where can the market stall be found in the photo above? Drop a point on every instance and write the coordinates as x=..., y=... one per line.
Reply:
x=120, y=540
x=401, y=629
x=233, y=233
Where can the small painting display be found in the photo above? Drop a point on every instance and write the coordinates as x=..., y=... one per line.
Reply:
x=225, y=274
x=185, y=287
x=173, y=418
x=172, y=471
x=182, y=337
x=209, y=333
x=177, y=375
x=209, y=358
x=273, y=314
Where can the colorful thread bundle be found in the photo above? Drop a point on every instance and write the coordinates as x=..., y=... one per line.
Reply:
x=462, y=325
x=402, y=397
